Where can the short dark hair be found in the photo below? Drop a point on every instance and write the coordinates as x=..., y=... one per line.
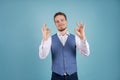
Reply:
x=60, y=13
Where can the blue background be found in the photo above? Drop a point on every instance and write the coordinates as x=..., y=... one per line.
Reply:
x=20, y=37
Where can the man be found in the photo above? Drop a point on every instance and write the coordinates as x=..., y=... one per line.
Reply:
x=63, y=48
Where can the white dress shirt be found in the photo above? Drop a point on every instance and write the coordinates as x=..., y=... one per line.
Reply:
x=45, y=46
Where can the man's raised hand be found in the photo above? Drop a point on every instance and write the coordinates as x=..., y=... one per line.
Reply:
x=45, y=32
x=80, y=31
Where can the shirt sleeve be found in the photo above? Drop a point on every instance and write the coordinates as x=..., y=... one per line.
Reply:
x=44, y=48
x=82, y=46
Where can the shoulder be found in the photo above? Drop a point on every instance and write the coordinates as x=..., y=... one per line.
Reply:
x=72, y=35
x=54, y=36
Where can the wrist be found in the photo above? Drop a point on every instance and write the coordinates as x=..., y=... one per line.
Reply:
x=83, y=37
x=44, y=38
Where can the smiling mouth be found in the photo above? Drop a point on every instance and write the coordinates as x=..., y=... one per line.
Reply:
x=61, y=25
x=61, y=29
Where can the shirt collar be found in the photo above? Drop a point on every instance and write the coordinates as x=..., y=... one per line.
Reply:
x=67, y=33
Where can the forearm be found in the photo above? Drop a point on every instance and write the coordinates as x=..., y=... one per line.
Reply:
x=44, y=48
x=83, y=46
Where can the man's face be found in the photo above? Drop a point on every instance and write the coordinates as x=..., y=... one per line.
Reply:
x=60, y=22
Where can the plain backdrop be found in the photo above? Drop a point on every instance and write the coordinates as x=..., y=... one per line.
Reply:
x=20, y=37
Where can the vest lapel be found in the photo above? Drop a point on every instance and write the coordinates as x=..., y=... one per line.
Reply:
x=61, y=42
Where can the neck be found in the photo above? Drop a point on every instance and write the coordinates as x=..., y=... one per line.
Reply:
x=63, y=32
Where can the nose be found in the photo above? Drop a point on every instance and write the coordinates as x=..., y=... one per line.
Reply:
x=60, y=22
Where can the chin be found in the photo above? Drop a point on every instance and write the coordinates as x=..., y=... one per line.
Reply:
x=62, y=29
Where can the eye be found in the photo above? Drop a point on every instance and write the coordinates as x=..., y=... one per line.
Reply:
x=57, y=21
